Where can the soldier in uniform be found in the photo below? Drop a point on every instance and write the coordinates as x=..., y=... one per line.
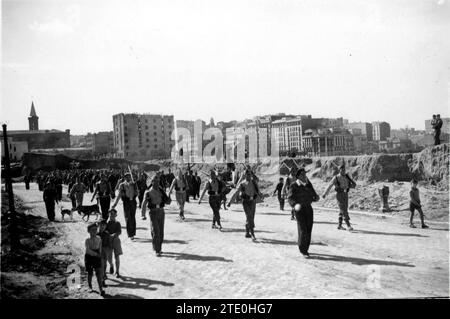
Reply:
x=77, y=191
x=278, y=190
x=155, y=199
x=249, y=192
x=214, y=187
x=181, y=189
x=342, y=184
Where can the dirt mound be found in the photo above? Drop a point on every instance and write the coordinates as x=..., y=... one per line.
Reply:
x=28, y=272
x=432, y=165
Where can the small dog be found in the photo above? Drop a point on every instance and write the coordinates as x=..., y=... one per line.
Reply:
x=87, y=211
x=65, y=211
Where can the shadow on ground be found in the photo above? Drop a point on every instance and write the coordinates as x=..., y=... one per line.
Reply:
x=285, y=242
x=242, y=230
x=369, y=232
x=137, y=283
x=166, y=241
x=183, y=256
x=358, y=261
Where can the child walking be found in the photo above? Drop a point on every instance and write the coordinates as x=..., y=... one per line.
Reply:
x=415, y=204
x=93, y=257
x=106, y=248
x=115, y=229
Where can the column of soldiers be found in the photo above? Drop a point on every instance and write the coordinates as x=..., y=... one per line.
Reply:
x=134, y=191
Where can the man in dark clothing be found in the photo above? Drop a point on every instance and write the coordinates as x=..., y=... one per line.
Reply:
x=198, y=184
x=26, y=177
x=50, y=198
x=280, y=195
x=40, y=180
x=142, y=187
x=103, y=191
x=59, y=187
x=192, y=185
x=169, y=177
x=214, y=188
x=301, y=195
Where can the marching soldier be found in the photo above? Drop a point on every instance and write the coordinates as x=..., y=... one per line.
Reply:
x=249, y=192
x=155, y=199
x=342, y=184
x=181, y=188
x=214, y=187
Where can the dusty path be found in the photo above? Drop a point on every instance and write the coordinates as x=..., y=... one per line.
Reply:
x=200, y=262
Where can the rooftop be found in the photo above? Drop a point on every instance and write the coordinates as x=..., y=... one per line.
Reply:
x=16, y=132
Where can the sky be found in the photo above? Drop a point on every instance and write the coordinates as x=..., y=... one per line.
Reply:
x=83, y=61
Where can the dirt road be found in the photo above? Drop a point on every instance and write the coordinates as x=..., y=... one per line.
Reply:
x=382, y=258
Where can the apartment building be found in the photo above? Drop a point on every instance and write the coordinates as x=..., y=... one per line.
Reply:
x=143, y=136
x=381, y=131
x=328, y=142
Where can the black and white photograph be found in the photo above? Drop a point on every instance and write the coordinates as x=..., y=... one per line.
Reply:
x=242, y=151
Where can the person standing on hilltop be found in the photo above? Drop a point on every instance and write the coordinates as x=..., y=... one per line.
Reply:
x=437, y=129
x=181, y=189
x=301, y=195
x=342, y=184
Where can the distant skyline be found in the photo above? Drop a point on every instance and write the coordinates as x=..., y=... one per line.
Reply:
x=82, y=61
x=207, y=121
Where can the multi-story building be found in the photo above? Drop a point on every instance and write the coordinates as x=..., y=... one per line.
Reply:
x=381, y=131
x=288, y=134
x=328, y=142
x=16, y=149
x=143, y=136
x=366, y=128
x=396, y=144
x=310, y=123
x=38, y=139
x=101, y=142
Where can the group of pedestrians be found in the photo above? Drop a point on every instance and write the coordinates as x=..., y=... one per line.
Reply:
x=104, y=240
x=300, y=194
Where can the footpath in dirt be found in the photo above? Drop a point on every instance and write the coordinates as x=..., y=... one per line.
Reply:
x=381, y=258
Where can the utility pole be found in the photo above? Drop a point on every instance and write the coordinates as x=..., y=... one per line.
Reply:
x=12, y=211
